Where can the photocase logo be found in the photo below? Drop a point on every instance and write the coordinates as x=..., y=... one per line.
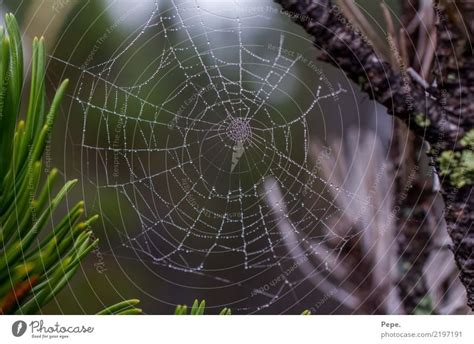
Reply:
x=19, y=328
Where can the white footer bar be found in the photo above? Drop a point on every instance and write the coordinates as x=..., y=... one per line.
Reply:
x=237, y=329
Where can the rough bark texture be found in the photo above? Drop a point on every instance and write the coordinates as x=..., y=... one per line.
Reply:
x=414, y=248
x=454, y=71
x=446, y=111
x=416, y=224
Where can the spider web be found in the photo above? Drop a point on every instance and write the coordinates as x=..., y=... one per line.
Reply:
x=202, y=147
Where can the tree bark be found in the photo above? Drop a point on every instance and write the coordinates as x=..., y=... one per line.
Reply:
x=442, y=115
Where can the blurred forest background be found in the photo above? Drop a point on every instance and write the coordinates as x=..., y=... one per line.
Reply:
x=354, y=131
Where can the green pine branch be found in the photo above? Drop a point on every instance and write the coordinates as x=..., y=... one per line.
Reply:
x=198, y=308
x=34, y=265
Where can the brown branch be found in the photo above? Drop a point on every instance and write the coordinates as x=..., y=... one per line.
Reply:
x=18, y=293
x=440, y=116
x=351, y=52
x=416, y=225
x=454, y=72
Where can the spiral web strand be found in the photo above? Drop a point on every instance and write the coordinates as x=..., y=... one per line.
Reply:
x=199, y=149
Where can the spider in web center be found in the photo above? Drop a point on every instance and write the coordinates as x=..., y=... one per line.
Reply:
x=240, y=131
